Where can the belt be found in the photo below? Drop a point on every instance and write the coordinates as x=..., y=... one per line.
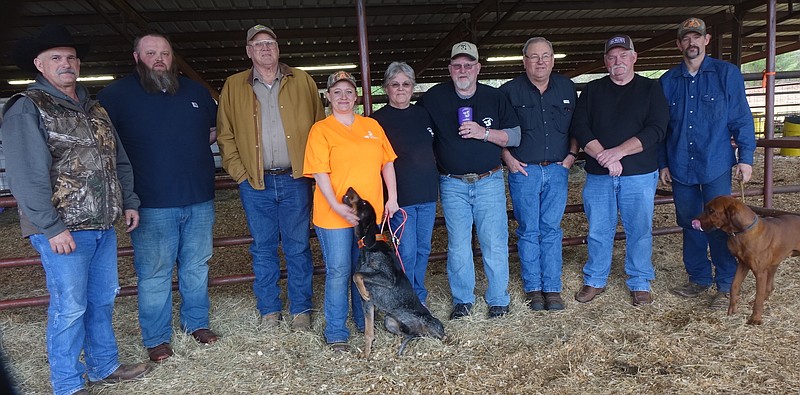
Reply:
x=470, y=178
x=545, y=163
x=277, y=171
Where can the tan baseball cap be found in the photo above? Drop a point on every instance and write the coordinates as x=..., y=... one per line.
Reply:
x=258, y=29
x=464, y=48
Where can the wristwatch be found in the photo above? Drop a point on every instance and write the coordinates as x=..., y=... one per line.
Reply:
x=574, y=154
x=486, y=136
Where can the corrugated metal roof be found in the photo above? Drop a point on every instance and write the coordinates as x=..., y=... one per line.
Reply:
x=209, y=34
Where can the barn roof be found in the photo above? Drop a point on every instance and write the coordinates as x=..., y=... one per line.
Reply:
x=208, y=35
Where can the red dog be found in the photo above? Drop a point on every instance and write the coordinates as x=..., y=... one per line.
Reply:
x=759, y=244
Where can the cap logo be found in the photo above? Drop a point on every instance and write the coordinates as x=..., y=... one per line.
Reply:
x=692, y=23
x=616, y=40
x=259, y=27
x=463, y=47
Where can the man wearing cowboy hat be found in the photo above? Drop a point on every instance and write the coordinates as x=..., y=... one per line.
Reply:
x=72, y=181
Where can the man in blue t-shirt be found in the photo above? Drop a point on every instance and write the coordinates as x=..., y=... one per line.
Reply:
x=166, y=124
x=471, y=184
x=707, y=108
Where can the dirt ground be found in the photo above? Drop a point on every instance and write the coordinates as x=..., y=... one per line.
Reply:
x=603, y=347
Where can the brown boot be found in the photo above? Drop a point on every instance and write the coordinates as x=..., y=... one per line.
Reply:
x=126, y=372
x=587, y=293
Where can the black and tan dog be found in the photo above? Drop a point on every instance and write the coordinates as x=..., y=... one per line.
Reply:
x=759, y=244
x=383, y=285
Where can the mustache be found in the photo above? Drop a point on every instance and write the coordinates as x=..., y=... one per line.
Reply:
x=65, y=71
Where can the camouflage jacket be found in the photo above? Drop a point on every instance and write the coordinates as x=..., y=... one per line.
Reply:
x=85, y=189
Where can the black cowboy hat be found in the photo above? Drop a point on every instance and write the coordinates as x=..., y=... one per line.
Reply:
x=51, y=36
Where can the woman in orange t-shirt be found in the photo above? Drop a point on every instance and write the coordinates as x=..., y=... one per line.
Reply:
x=345, y=150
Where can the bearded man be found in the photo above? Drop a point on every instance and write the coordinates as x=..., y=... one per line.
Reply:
x=471, y=185
x=166, y=123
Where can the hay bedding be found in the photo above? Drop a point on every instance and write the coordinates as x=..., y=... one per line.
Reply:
x=604, y=347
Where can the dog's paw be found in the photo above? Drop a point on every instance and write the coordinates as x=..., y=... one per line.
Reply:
x=754, y=321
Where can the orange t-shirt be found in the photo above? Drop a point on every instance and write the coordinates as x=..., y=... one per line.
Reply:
x=353, y=157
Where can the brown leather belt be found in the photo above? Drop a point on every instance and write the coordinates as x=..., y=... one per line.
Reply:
x=278, y=171
x=545, y=163
x=470, y=178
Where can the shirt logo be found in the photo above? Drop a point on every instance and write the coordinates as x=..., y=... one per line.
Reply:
x=430, y=131
x=370, y=136
x=194, y=104
x=487, y=122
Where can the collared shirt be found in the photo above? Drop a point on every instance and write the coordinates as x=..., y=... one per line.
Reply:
x=273, y=136
x=544, y=117
x=706, y=110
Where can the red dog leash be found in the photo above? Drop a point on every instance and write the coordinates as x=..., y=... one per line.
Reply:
x=397, y=234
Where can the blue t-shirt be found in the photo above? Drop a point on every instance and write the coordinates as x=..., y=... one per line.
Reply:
x=166, y=138
x=410, y=130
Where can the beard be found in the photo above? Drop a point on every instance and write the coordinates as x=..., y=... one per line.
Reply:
x=157, y=81
x=463, y=84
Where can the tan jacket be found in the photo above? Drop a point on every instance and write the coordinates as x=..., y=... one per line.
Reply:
x=239, y=122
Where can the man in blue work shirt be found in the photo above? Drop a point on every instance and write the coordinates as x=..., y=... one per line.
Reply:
x=538, y=170
x=707, y=108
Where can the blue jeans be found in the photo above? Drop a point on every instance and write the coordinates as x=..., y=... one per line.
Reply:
x=484, y=203
x=539, y=201
x=689, y=203
x=415, y=245
x=279, y=214
x=82, y=286
x=340, y=252
x=166, y=236
x=633, y=197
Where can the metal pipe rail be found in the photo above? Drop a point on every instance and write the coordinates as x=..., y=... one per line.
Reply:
x=239, y=240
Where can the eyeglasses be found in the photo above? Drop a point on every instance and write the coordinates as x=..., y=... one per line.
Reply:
x=463, y=66
x=263, y=44
x=535, y=58
x=397, y=85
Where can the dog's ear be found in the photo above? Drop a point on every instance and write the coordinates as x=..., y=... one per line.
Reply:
x=734, y=211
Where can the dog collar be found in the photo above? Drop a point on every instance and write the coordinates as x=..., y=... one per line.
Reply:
x=378, y=237
x=755, y=220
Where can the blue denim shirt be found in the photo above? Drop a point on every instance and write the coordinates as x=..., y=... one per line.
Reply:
x=705, y=111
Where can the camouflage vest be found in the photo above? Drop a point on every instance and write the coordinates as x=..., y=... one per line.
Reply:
x=86, y=191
